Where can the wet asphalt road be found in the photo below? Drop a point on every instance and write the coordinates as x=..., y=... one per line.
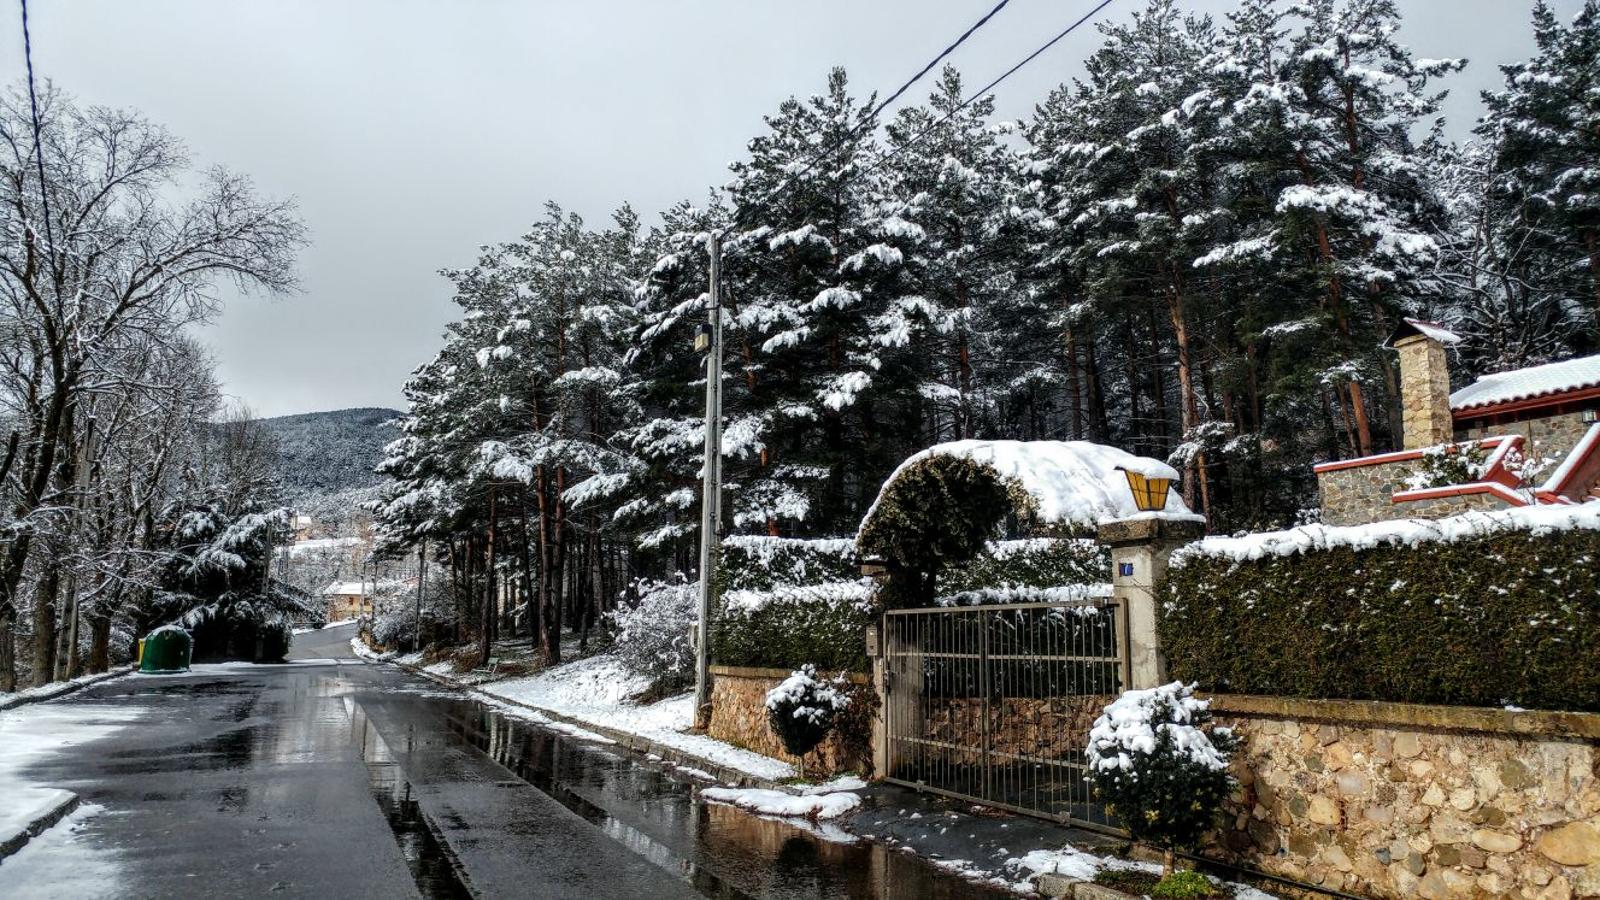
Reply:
x=327, y=777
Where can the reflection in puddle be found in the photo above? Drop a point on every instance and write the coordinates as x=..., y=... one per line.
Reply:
x=721, y=851
x=433, y=867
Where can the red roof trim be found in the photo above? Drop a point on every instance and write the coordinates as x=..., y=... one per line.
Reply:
x=1462, y=490
x=1398, y=456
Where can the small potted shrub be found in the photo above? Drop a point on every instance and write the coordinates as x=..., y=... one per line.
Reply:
x=1161, y=767
x=802, y=710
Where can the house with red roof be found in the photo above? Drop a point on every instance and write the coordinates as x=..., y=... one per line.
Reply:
x=1519, y=438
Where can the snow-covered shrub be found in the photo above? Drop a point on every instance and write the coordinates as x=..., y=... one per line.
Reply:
x=652, y=631
x=803, y=707
x=937, y=510
x=1159, y=767
x=1482, y=609
x=396, y=627
x=1449, y=464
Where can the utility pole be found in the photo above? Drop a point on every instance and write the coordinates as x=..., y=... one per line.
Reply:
x=711, y=498
x=422, y=585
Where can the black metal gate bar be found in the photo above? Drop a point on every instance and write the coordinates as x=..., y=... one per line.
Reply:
x=991, y=704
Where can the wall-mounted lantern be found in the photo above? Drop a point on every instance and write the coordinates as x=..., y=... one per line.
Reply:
x=1149, y=491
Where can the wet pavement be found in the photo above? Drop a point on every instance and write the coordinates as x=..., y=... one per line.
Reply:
x=329, y=777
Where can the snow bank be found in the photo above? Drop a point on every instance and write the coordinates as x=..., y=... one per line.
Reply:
x=596, y=691
x=778, y=803
x=1536, y=520
x=1071, y=482
x=32, y=733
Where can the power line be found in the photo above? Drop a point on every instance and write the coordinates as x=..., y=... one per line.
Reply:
x=983, y=91
x=872, y=117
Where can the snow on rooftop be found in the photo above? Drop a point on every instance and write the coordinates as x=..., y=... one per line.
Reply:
x=1526, y=384
x=346, y=587
x=320, y=545
x=1072, y=482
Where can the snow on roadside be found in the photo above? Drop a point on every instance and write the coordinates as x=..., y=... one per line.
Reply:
x=780, y=803
x=595, y=691
x=1073, y=863
x=360, y=648
x=32, y=733
x=53, y=689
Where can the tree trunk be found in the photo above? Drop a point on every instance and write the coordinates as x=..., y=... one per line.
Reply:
x=99, y=644
x=44, y=624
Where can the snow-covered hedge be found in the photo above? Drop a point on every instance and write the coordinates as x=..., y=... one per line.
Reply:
x=787, y=602
x=759, y=563
x=1033, y=570
x=1482, y=609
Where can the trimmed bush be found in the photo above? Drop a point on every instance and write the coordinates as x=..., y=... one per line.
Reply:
x=1031, y=563
x=759, y=563
x=1160, y=767
x=934, y=512
x=1512, y=617
x=802, y=709
x=824, y=623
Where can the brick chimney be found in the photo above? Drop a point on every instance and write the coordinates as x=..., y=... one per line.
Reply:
x=1424, y=382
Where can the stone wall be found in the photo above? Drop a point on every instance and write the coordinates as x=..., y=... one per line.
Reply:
x=1395, y=800
x=1362, y=494
x=739, y=716
x=1044, y=728
x=1552, y=437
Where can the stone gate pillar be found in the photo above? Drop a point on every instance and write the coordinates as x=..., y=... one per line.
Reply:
x=1140, y=548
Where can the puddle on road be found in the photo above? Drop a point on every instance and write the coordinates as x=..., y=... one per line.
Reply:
x=721, y=851
x=433, y=867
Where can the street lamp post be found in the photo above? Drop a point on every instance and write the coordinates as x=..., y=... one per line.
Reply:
x=710, y=339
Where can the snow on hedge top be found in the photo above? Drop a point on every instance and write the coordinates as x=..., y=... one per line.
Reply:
x=1536, y=520
x=1071, y=482
x=1525, y=384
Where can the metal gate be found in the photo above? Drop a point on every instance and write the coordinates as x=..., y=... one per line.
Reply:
x=993, y=704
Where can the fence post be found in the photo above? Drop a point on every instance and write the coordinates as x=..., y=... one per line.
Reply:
x=1140, y=549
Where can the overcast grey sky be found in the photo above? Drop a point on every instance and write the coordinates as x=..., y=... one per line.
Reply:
x=412, y=132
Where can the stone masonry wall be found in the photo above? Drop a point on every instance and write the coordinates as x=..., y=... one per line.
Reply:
x=739, y=716
x=1363, y=494
x=1401, y=810
x=1552, y=437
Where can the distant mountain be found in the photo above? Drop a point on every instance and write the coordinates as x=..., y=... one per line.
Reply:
x=332, y=452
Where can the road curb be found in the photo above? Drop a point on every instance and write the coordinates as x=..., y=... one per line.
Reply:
x=39, y=825
x=625, y=739
x=65, y=688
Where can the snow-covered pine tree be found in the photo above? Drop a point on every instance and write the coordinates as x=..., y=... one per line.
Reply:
x=1362, y=208
x=1546, y=127
x=949, y=182
x=800, y=211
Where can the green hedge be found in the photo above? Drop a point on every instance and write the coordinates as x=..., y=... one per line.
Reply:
x=789, y=602
x=1036, y=562
x=822, y=624
x=756, y=563
x=1511, y=618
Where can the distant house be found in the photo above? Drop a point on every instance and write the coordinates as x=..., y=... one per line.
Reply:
x=303, y=527
x=1519, y=438
x=348, y=599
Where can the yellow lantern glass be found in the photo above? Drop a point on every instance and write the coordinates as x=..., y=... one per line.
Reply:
x=1149, y=493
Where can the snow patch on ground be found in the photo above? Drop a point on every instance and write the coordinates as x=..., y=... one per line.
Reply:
x=779, y=803
x=596, y=691
x=30, y=734
x=59, y=863
x=360, y=648
x=54, y=689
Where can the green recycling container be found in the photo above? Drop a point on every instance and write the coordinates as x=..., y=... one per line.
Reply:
x=166, y=649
